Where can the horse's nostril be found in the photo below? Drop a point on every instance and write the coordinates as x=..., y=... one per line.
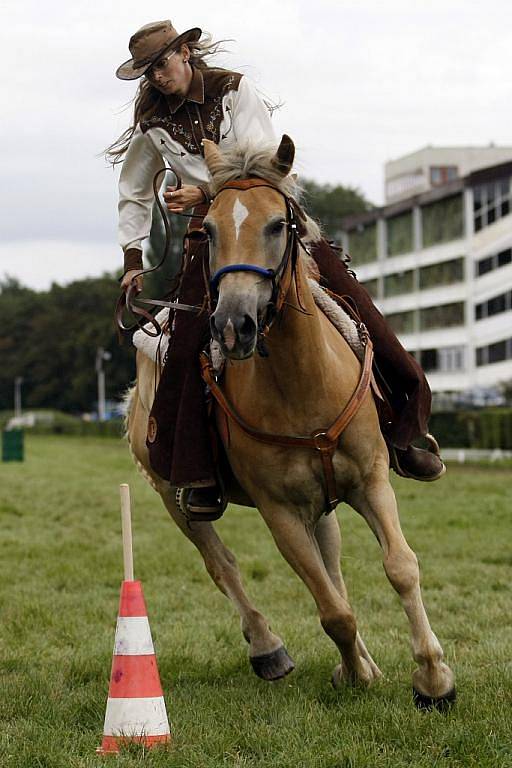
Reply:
x=247, y=328
x=213, y=327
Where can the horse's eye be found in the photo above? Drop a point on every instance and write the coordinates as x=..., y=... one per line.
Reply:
x=277, y=228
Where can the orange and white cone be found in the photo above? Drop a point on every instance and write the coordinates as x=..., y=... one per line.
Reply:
x=135, y=707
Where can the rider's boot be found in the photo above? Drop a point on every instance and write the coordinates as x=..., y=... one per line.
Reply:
x=418, y=463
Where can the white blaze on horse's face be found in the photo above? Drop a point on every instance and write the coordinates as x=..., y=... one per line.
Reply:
x=240, y=213
x=245, y=227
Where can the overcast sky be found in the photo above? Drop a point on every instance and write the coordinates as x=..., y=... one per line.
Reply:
x=362, y=82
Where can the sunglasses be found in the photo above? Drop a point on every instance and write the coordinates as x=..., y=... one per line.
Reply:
x=160, y=65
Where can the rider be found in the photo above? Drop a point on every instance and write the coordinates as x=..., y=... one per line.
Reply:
x=180, y=101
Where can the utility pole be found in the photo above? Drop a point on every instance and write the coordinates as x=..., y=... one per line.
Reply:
x=18, y=381
x=101, y=356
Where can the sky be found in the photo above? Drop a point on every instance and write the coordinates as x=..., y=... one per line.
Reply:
x=361, y=82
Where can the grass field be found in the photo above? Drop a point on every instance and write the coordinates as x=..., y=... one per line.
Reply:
x=61, y=567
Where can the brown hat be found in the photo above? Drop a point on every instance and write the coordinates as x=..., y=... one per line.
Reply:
x=149, y=43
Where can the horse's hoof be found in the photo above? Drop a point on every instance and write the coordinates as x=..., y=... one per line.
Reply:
x=273, y=666
x=428, y=703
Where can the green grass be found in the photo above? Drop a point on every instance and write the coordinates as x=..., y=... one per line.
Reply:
x=60, y=572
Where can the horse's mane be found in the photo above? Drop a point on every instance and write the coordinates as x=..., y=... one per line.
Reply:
x=245, y=160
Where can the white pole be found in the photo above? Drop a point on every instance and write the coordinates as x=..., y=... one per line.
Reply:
x=101, y=395
x=126, y=522
x=18, y=381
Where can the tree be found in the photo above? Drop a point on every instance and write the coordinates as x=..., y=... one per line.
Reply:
x=329, y=204
x=50, y=339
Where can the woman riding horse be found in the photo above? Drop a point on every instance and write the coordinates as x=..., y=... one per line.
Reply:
x=180, y=102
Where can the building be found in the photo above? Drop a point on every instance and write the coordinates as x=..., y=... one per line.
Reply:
x=438, y=262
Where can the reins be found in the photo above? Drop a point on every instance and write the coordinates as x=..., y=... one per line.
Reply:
x=127, y=300
x=324, y=441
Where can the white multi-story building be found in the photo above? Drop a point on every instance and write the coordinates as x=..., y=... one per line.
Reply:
x=439, y=263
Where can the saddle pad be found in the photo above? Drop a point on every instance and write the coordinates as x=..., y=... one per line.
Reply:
x=153, y=346
x=157, y=347
x=338, y=317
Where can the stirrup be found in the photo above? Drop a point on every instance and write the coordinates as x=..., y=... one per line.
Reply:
x=182, y=495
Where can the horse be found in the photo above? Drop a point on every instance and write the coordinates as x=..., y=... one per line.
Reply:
x=305, y=378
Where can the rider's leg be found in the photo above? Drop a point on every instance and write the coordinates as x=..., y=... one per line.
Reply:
x=179, y=440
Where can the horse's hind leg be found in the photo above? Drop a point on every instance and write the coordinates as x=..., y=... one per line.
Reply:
x=433, y=681
x=296, y=541
x=267, y=654
x=328, y=536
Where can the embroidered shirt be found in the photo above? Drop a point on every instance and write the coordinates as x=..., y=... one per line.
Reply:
x=220, y=105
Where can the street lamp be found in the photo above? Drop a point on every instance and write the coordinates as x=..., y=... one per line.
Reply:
x=101, y=356
x=18, y=381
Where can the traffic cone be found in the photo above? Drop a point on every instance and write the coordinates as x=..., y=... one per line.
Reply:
x=135, y=706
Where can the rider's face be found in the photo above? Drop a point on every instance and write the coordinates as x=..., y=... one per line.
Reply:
x=171, y=74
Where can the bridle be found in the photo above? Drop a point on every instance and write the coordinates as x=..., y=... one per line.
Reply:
x=280, y=277
x=324, y=441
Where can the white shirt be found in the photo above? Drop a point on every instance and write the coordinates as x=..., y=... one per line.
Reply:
x=244, y=117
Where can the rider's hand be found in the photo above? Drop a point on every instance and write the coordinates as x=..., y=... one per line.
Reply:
x=179, y=200
x=127, y=279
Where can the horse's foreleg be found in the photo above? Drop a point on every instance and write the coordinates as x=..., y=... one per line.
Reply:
x=298, y=544
x=267, y=654
x=433, y=681
x=328, y=536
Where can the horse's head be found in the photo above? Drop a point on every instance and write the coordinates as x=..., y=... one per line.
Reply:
x=249, y=229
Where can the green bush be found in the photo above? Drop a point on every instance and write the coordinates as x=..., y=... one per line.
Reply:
x=487, y=429
x=59, y=423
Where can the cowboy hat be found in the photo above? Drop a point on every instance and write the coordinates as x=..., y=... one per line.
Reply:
x=149, y=43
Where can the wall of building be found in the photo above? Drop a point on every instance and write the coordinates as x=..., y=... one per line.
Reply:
x=411, y=174
x=449, y=294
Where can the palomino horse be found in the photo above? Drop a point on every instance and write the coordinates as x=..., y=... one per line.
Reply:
x=300, y=388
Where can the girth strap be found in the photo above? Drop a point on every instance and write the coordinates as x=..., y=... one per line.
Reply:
x=323, y=441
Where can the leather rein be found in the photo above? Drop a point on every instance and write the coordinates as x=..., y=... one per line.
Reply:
x=325, y=441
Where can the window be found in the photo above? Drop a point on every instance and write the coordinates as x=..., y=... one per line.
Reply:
x=494, y=353
x=400, y=282
x=446, y=359
x=452, y=359
x=399, y=234
x=444, y=273
x=363, y=244
x=504, y=257
x=405, y=185
x=485, y=265
x=497, y=305
x=443, y=220
x=494, y=306
x=428, y=359
x=490, y=202
x=442, y=174
x=495, y=261
x=401, y=322
x=372, y=286
x=444, y=316
x=497, y=352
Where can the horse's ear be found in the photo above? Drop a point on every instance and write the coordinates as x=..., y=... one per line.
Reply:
x=212, y=156
x=283, y=159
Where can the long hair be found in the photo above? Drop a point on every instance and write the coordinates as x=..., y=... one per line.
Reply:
x=149, y=102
